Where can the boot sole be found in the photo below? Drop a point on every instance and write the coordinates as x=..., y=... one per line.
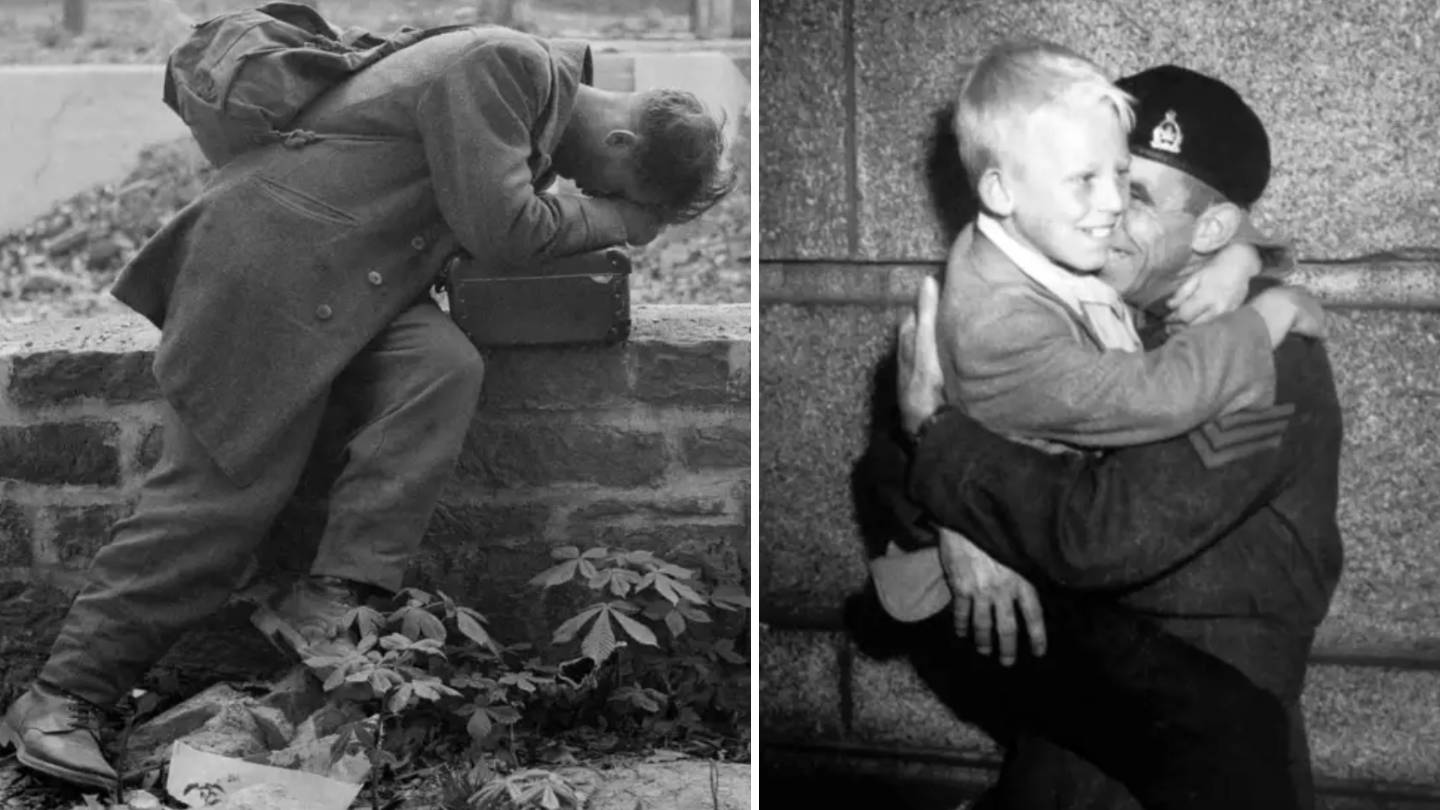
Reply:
x=10, y=738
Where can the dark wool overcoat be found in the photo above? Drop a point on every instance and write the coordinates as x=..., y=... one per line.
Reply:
x=296, y=256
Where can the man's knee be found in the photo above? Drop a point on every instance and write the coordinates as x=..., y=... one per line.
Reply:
x=465, y=367
x=452, y=366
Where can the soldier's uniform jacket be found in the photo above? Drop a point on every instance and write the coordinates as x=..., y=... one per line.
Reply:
x=1227, y=535
x=296, y=256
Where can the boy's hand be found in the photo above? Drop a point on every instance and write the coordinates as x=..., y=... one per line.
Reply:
x=984, y=593
x=919, y=377
x=1289, y=309
x=1309, y=315
x=642, y=224
x=1221, y=285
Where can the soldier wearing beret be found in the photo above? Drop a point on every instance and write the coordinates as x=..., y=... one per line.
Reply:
x=1224, y=537
x=301, y=275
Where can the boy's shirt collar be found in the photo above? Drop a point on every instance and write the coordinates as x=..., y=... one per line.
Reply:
x=1083, y=294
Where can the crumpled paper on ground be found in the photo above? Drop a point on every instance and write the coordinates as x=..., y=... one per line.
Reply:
x=198, y=778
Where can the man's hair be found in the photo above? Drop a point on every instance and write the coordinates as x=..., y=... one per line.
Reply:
x=681, y=154
x=1015, y=79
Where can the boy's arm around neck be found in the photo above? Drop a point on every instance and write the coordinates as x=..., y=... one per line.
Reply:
x=1019, y=363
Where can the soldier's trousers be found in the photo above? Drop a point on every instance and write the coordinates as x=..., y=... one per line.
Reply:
x=1179, y=727
x=184, y=550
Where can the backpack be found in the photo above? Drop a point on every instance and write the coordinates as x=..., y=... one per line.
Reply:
x=241, y=78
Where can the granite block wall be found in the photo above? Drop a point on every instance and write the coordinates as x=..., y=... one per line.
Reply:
x=645, y=445
x=849, y=90
x=858, y=202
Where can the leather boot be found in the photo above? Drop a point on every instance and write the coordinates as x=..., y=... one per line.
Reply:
x=58, y=735
x=308, y=619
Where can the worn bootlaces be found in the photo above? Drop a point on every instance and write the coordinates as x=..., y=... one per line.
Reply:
x=85, y=715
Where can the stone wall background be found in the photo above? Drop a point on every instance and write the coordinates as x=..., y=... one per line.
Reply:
x=645, y=445
x=857, y=203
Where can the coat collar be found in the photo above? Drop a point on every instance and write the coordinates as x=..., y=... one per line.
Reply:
x=572, y=66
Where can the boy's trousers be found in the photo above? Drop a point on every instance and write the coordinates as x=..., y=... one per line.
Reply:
x=181, y=554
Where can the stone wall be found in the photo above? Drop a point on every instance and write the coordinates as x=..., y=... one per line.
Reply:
x=856, y=205
x=645, y=445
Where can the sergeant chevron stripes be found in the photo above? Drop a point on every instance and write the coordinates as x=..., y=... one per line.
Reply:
x=1238, y=435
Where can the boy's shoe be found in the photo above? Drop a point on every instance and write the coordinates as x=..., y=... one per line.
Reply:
x=58, y=735
x=308, y=618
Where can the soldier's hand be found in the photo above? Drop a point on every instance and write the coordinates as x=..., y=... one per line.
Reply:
x=642, y=224
x=919, y=375
x=985, y=595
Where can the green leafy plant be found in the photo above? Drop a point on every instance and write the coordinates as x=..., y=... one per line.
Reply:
x=657, y=661
x=676, y=673
x=534, y=788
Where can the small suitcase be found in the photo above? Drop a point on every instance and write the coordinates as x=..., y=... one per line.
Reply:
x=578, y=300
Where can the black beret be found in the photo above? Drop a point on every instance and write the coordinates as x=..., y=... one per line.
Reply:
x=1202, y=127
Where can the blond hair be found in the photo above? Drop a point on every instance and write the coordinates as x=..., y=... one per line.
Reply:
x=1017, y=78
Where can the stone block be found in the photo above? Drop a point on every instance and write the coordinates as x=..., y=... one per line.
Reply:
x=894, y=707
x=650, y=508
x=801, y=684
x=152, y=738
x=718, y=446
x=16, y=535
x=805, y=191
x=54, y=377
x=545, y=379
x=1388, y=384
x=686, y=374
x=80, y=531
x=151, y=448
x=815, y=367
x=1369, y=723
x=515, y=452
x=1351, y=169
x=488, y=524
x=60, y=453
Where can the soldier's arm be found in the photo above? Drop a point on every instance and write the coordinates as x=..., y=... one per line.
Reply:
x=476, y=117
x=1122, y=518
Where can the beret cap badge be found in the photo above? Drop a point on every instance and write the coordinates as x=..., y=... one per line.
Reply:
x=1167, y=135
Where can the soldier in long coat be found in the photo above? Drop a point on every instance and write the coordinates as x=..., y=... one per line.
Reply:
x=301, y=272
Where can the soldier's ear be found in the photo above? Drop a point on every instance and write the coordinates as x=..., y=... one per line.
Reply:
x=1216, y=226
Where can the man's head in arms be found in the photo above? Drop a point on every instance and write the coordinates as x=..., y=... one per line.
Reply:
x=1042, y=136
x=1201, y=158
x=661, y=149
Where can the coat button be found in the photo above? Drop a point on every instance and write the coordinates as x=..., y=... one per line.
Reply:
x=323, y=312
x=375, y=278
x=418, y=243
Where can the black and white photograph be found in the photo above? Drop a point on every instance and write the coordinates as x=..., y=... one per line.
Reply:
x=376, y=404
x=1097, y=423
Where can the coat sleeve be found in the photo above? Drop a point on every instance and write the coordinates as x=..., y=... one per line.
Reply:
x=1114, y=520
x=477, y=118
x=1020, y=370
